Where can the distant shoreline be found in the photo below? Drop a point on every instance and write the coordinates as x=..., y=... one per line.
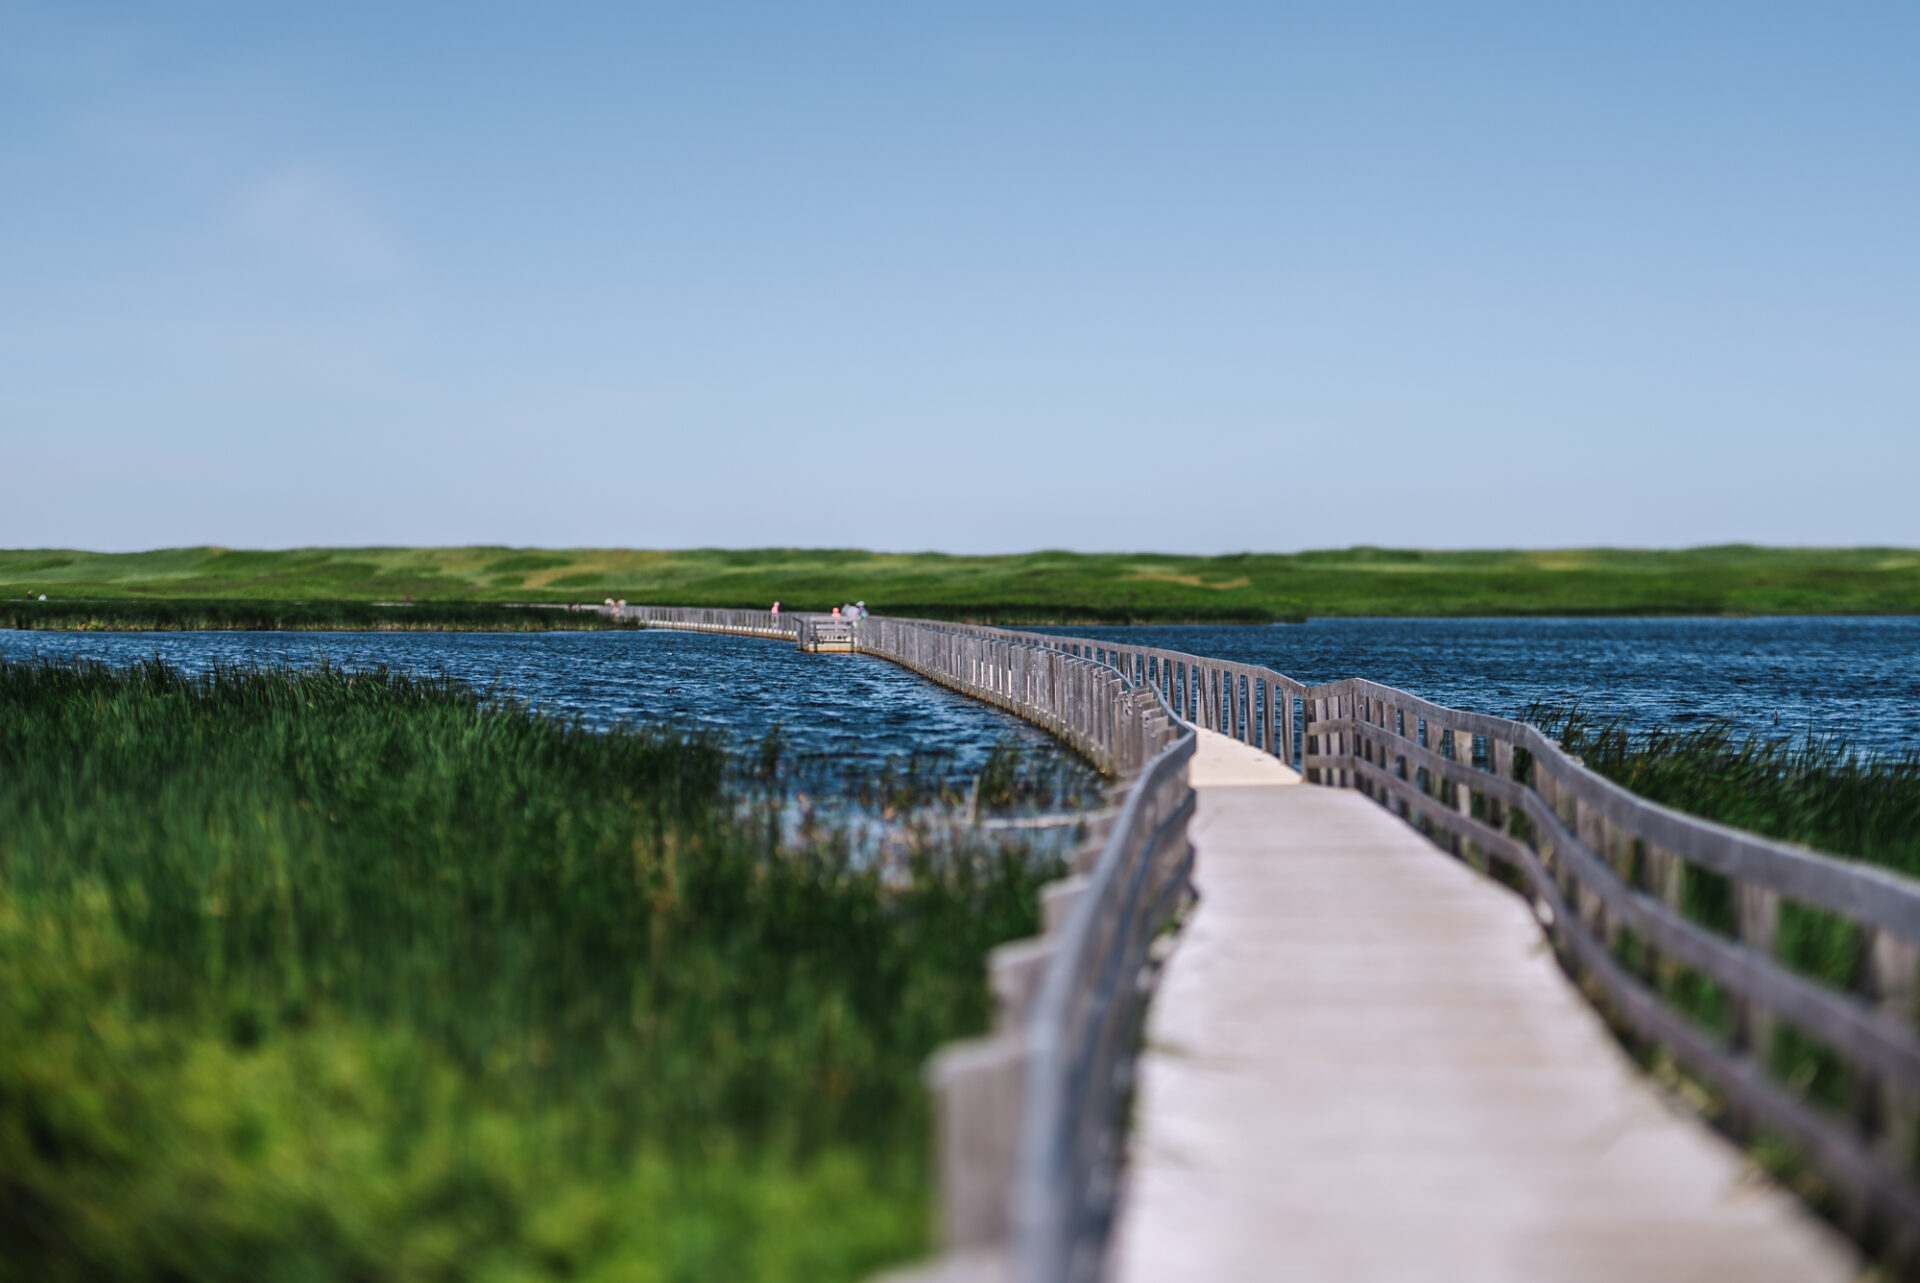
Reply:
x=111, y=616
x=125, y=616
x=297, y=587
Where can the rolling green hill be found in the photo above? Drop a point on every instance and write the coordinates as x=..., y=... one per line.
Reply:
x=1031, y=587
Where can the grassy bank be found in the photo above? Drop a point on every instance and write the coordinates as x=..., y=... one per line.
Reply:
x=178, y=614
x=309, y=975
x=1043, y=587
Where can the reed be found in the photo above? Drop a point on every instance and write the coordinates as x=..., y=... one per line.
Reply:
x=1018, y=779
x=203, y=615
x=328, y=975
x=1821, y=792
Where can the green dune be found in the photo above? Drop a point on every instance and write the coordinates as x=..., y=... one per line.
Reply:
x=1027, y=587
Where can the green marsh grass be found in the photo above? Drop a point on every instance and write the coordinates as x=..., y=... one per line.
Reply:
x=319, y=975
x=1822, y=793
x=200, y=615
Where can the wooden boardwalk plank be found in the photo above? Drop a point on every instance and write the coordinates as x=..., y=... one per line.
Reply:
x=1364, y=1063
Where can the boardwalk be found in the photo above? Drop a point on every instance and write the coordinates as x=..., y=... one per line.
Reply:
x=1363, y=1061
x=1364, y=1064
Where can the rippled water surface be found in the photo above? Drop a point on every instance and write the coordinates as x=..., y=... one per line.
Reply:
x=1858, y=678
x=852, y=707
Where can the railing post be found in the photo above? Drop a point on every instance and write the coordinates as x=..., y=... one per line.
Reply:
x=1500, y=758
x=978, y=1089
x=1588, y=827
x=1666, y=882
x=1893, y=985
x=1270, y=712
x=1756, y=923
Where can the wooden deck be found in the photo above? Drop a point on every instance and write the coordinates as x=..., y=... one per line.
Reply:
x=1363, y=1063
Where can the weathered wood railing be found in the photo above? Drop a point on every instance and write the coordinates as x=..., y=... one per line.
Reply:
x=1245, y=701
x=1030, y=1118
x=811, y=630
x=1111, y=722
x=1249, y=702
x=705, y=619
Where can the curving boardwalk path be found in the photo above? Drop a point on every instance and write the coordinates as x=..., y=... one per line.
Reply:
x=1364, y=1064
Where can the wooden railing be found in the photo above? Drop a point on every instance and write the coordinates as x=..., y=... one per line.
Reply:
x=1664, y=917
x=1030, y=1128
x=702, y=619
x=1103, y=714
x=1245, y=701
x=811, y=630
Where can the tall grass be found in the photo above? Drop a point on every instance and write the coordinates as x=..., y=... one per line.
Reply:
x=199, y=615
x=1823, y=793
x=328, y=975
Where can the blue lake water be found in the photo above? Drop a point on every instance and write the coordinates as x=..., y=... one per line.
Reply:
x=854, y=708
x=1855, y=677
x=1858, y=678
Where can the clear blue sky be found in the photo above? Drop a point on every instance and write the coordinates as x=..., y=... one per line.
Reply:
x=972, y=277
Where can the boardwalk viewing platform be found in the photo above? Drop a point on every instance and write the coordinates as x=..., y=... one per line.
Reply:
x=1366, y=1057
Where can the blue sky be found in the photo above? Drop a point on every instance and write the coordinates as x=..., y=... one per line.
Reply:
x=971, y=277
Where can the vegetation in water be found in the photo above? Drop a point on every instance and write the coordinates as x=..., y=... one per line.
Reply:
x=317, y=975
x=1018, y=778
x=885, y=812
x=1041, y=587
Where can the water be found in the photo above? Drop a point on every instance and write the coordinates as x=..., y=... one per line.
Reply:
x=1857, y=678
x=852, y=709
